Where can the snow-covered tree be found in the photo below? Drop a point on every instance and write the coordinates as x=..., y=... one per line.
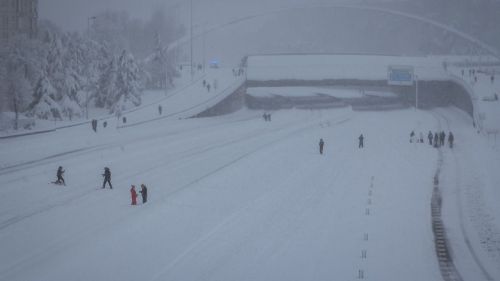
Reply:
x=120, y=85
x=44, y=105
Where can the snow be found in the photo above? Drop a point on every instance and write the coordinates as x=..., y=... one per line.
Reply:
x=236, y=198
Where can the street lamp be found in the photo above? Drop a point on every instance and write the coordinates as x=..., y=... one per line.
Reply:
x=416, y=92
x=88, y=24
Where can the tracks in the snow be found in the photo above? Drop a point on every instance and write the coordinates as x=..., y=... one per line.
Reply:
x=446, y=265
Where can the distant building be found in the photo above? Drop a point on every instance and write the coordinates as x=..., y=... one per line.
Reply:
x=18, y=17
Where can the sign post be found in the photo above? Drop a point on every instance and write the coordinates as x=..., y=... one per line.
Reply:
x=403, y=75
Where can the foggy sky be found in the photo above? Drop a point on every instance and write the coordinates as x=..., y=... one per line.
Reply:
x=73, y=14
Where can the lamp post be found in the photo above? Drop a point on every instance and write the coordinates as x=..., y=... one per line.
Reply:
x=416, y=92
x=88, y=24
x=191, y=39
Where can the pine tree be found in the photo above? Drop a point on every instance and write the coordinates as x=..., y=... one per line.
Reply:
x=44, y=105
x=119, y=85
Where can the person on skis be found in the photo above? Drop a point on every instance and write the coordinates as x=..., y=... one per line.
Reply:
x=321, y=144
x=107, y=178
x=451, y=139
x=133, y=195
x=361, y=144
x=60, y=179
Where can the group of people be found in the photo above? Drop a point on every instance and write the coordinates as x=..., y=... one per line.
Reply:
x=107, y=180
x=436, y=139
x=267, y=117
x=143, y=191
x=361, y=139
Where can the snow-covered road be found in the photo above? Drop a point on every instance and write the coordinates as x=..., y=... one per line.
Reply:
x=235, y=198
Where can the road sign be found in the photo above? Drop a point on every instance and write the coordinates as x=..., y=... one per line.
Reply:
x=400, y=75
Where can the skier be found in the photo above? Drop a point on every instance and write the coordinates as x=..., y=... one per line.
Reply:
x=133, y=195
x=361, y=138
x=412, y=136
x=430, y=136
x=450, y=139
x=144, y=193
x=107, y=178
x=60, y=179
x=436, y=140
x=160, y=109
x=321, y=144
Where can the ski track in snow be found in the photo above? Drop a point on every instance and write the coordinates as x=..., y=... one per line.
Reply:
x=476, y=214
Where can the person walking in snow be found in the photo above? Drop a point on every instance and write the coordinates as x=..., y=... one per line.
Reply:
x=133, y=195
x=361, y=139
x=107, y=178
x=412, y=136
x=144, y=193
x=442, y=138
x=421, y=140
x=430, y=136
x=436, y=140
x=321, y=144
x=60, y=179
x=451, y=138
x=160, y=109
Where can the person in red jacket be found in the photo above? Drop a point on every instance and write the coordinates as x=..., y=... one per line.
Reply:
x=133, y=194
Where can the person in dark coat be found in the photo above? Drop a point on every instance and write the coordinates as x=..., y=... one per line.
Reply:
x=430, y=136
x=412, y=136
x=451, y=138
x=321, y=144
x=442, y=138
x=160, y=109
x=436, y=140
x=107, y=178
x=60, y=179
x=144, y=193
x=133, y=195
x=361, y=144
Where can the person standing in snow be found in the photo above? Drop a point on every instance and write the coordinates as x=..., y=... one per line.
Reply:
x=133, y=195
x=436, y=140
x=361, y=144
x=321, y=144
x=160, y=109
x=60, y=179
x=451, y=138
x=144, y=193
x=107, y=178
x=412, y=136
x=442, y=138
x=430, y=136
x=421, y=140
